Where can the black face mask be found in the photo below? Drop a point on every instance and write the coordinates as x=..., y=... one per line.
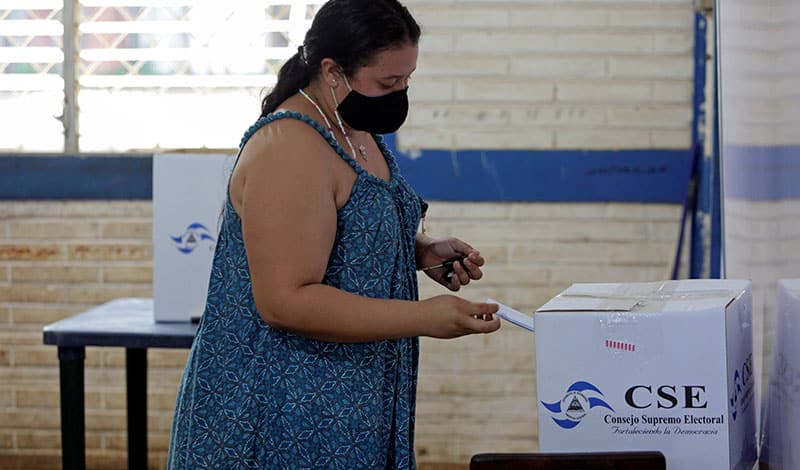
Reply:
x=375, y=114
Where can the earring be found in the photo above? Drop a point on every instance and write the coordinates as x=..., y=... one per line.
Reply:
x=334, y=82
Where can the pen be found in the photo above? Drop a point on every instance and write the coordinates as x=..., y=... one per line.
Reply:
x=448, y=263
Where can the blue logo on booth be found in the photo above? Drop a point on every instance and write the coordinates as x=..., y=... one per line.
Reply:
x=742, y=387
x=573, y=407
x=191, y=238
x=737, y=393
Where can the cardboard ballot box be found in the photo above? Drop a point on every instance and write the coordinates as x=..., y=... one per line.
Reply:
x=780, y=446
x=649, y=366
x=189, y=191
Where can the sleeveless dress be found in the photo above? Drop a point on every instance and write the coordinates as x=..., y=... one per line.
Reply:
x=253, y=396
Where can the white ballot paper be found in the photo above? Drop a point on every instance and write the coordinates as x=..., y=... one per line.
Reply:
x=509, y=314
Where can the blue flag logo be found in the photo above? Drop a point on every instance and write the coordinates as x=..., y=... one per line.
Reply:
x=578, y=400
x=190, y=239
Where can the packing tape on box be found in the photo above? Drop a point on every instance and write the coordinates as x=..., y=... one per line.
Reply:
x=647, y=294
x=638, y=339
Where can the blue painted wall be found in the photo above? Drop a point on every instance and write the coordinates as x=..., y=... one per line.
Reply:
x=463, y=175
x=41, y=177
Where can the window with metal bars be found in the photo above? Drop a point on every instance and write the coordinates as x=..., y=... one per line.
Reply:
x=139, y=75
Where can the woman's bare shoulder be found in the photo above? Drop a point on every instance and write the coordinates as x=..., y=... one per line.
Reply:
x=280, y=152
x=275, y=139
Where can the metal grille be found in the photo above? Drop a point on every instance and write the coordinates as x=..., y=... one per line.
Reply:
x=155, y=74
x=31, y=86
x=184, y=44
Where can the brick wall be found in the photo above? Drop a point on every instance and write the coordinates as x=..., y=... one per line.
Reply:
x=545, y=74
x=475, y=394
x=58, y=259
x=523, y=74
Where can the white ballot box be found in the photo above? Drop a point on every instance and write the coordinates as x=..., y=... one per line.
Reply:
x=189, y=192
x=781, y=440
x=649, y=366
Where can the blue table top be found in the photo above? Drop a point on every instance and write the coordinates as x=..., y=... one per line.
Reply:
x=124, y=322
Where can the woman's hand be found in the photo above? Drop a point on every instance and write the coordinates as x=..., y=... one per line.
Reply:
x=433, y=255
x=448, y=316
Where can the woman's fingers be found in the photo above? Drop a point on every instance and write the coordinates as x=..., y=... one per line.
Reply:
x=473, y=267
x=460, y=271
x=484, y=320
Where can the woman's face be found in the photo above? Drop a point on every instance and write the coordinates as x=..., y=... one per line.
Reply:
x=388, y=72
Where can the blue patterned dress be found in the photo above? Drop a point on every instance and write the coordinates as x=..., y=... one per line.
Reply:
x=257, y=397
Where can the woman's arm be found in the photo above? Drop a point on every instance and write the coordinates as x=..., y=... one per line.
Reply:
x=288, y=208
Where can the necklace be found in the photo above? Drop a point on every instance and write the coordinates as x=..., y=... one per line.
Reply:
x=361, y=149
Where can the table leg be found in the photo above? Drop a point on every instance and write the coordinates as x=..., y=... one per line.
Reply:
x=73, y=418
x=136, y=385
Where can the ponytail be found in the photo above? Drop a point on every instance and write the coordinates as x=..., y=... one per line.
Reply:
x=294, y=74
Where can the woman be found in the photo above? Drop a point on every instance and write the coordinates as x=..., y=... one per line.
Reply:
x=306, y=355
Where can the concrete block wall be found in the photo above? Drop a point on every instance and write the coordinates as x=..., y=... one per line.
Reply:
x=519, y=74
x=761, y=104
x=58, y=259
x=546, y=74
x=760, y=117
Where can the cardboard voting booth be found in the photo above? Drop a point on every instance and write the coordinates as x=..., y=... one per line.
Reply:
x=781, y=431
x=189, y=192
x=649, y=366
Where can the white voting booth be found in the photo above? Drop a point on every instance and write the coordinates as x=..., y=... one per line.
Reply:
x=649, y=366
x=189, y=191
x=780, y=448
x=660, y=366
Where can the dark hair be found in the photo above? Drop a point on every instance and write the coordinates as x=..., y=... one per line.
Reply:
x=351, y=32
